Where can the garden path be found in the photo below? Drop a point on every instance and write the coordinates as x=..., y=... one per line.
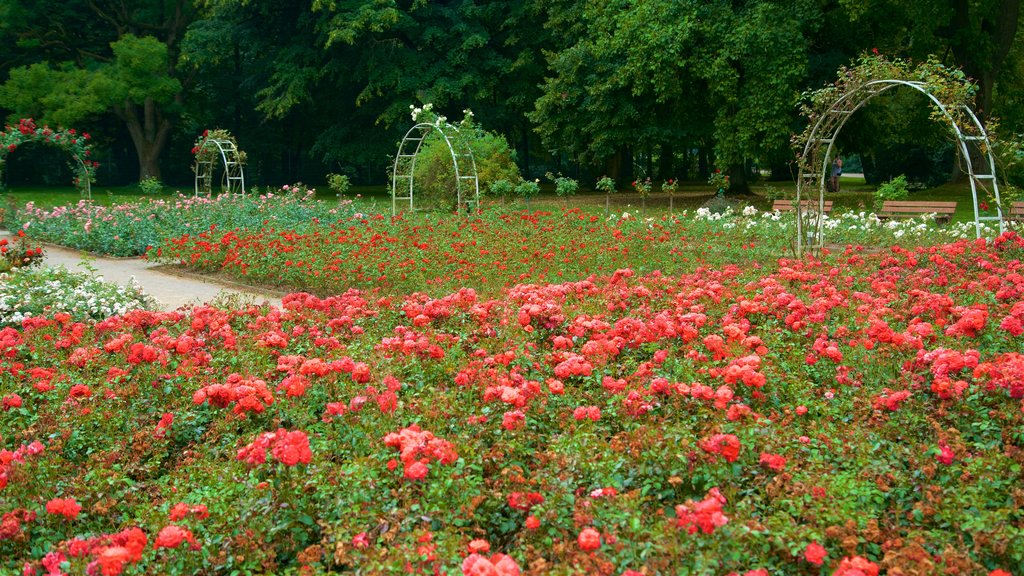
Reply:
x=171, y=289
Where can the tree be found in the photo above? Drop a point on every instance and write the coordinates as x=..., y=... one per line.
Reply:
x=125, y=64
x=978, y=35
x=648, y=73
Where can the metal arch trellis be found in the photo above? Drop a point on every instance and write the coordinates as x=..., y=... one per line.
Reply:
x=82, y=180
x=815, y=164
x=234, y=172
x=404, y=169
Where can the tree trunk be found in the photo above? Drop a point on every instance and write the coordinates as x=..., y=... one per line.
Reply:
x=665, y=168
x=524, y=158
x=150, y=131
x=982, y=53
x=739, y=185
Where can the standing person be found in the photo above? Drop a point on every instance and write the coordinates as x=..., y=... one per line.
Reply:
x=837, y=171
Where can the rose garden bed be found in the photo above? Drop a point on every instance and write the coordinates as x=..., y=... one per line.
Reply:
x=854, y=412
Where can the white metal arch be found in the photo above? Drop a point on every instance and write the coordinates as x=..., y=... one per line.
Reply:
x=234, y=174
x=969, y=132
x=404, y=169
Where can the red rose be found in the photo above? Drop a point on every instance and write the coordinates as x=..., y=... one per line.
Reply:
x=589, y=540
x=815, y=553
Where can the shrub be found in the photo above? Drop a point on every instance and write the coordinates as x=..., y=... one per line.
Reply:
x=564, y=186
x=339, y=183
x=528, y=189
x=18, y=252
x=30, y=292
x=129, y=229
x=435, y=183
x=501, y=188
x=605, y=184
x=151, y=185
x=895, y=189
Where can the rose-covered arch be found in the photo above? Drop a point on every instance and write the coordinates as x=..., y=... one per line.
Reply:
x=948, y=91
x=213, y=149
x=72, y=142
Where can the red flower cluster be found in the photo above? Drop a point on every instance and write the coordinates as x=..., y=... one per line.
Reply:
x=8, y=459
x=496, y=565
x=417, y=448
x=589, y=539
x=289, y=448
x=172, y=536
x=248, y=394
x=111, y=553
x=66, y=507
x=705, y=515
x=181, y=510
x=726, y=445
x=10, y=522
x=525, y=500
x=773, y=461
x=815, y=553
x=856, y=566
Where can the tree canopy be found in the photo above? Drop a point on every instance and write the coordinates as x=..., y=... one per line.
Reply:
x=620, y=87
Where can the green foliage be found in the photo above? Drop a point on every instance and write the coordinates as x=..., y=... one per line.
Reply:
x=66, y=94
x=605, y=184
x=435, y=179
x=564, y=186
x=151, y=186
x=895, y=189
x=339, y=183
x=527, y=189
x=643, y=187
x=501, y=188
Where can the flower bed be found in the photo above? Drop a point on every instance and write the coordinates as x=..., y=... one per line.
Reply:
x=30, y=292
x=131, y=229
x=842, y=416
x=495, y=251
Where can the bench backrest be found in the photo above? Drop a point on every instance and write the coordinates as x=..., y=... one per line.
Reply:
x=805, y=205
x=1017, y=211
x=918, y=207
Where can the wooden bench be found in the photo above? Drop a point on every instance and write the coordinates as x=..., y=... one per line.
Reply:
x=1016, y=213
x=805, y=205
x=911, y=209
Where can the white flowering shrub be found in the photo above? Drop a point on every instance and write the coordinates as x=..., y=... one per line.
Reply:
x=28, y=292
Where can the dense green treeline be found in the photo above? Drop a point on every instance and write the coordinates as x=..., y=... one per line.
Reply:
x=624, y=87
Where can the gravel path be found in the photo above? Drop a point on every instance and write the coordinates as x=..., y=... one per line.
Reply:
x=171, y=288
